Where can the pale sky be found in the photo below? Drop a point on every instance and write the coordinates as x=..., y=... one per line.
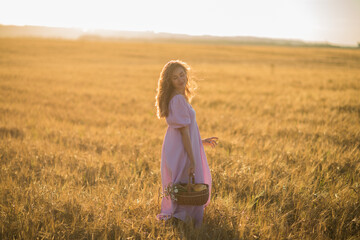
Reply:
x=333, y=21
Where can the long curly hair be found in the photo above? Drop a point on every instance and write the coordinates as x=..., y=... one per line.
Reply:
x=165, y=87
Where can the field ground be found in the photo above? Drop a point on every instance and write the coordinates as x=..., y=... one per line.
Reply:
x=80, y=143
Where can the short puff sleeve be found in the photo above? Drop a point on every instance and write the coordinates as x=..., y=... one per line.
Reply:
x=179, y=115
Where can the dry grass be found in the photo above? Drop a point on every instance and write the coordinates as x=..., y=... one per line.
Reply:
x=80, y=143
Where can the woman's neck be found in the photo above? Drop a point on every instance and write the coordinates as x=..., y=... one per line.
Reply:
x=178, y=92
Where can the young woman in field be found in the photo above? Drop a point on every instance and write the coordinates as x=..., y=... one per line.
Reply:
x=182, y=150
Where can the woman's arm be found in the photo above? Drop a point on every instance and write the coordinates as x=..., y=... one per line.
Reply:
x=185, y=135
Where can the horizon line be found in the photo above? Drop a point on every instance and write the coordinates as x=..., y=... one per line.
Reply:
x=89, y=30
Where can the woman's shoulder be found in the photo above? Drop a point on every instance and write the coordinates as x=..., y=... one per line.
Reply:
x=178, y=101
x=177, y=97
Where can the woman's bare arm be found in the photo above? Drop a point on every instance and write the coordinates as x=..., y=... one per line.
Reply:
x=185, y=135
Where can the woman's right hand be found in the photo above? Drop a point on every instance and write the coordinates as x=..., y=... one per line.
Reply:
x=192, y=168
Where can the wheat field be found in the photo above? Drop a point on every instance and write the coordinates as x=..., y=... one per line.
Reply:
x=80, y=144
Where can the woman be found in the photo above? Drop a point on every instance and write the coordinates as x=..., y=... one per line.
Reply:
x=182, y=151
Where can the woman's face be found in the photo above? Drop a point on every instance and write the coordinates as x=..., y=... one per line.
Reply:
x=179, y=79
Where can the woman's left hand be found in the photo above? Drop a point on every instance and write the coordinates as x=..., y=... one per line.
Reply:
x=210, y=141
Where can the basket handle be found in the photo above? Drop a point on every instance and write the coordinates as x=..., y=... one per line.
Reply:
x=191, y=181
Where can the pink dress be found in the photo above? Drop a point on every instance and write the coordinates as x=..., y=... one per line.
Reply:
x=175, y=162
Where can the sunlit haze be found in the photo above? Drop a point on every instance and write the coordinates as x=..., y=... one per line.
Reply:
x=333, y=21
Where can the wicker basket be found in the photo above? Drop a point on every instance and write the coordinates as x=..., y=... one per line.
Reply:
x=190, y=196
